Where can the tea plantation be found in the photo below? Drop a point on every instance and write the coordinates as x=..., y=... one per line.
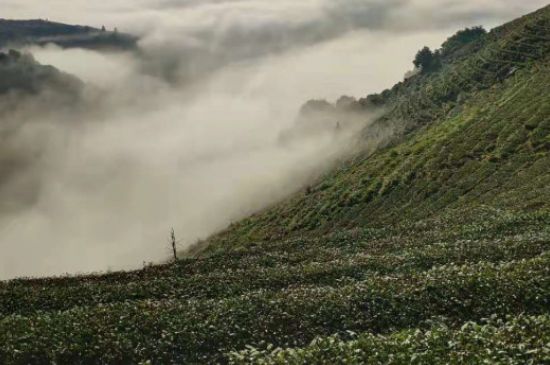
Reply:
x=433, y=249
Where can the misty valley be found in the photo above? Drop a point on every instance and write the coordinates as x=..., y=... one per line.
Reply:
x=250, y=182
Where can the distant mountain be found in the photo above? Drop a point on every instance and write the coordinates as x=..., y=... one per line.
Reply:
x=25, y=32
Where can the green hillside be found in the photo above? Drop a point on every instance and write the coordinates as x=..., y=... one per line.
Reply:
x=473, y=133
x=433, y=249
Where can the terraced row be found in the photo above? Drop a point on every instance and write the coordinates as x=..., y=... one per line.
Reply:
x=517, y=340
x=176, y=331
x=329, y=261
x=495, y=152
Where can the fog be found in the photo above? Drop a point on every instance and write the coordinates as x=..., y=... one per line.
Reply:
x=185, y=132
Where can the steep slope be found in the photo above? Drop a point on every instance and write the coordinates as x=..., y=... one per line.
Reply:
x=473, y=133
x=495, y=152
x=433, y=249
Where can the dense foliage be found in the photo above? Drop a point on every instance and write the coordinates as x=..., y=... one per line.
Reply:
x=517, y=340
x=434, y=249
x=427, y=61
x=461, y=39
x=196, y=311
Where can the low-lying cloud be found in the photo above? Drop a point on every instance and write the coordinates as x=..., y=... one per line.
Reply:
x=186, y=132
x=187, y=38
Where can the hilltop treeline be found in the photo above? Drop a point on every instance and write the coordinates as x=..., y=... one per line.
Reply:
x=17, y=33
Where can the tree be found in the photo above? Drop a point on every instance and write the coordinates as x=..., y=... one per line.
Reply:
x=103, y=28
x=14, y=55
x=316, y=106
x=173, y=243
x=426, y=60
x=461, y=38
x=346, y=102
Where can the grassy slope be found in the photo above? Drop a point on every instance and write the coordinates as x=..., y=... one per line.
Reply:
x=450, y=225
x=483, y=140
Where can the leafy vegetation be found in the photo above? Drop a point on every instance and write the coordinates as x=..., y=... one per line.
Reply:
x=519, y=340
x=461, y=39
x=197, y=330
x=427, y=61
x=434, y=249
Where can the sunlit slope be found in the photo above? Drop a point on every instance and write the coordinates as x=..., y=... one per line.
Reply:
x=434, y=249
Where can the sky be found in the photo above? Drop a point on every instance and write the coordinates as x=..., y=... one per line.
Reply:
x=185, y=134
x=282, y=15
x=210, y=34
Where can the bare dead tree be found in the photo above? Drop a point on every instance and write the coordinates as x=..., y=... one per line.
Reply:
x=173, y=243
